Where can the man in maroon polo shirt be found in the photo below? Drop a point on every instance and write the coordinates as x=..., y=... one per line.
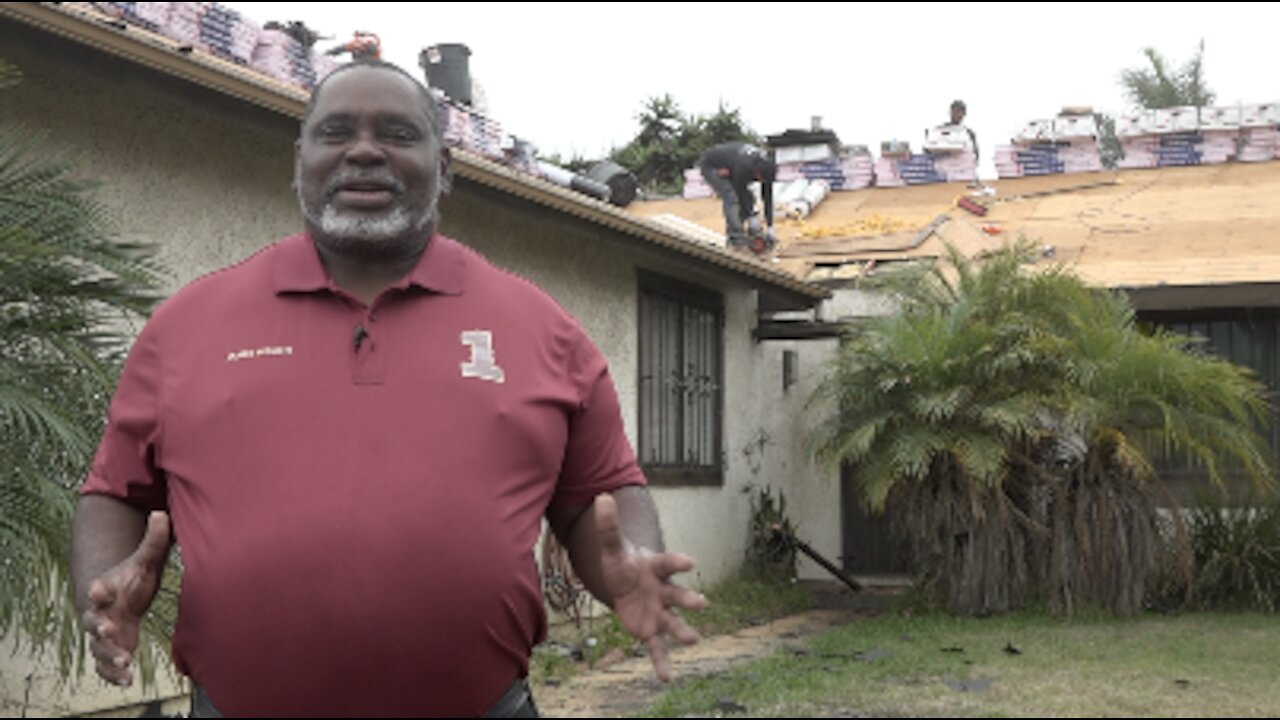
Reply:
x=354, y=435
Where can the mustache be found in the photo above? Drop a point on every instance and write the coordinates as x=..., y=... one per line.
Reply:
x=346, y=178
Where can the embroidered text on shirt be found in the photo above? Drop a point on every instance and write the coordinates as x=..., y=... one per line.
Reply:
x=251, y=353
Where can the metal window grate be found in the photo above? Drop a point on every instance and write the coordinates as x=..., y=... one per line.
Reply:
x=681, y=387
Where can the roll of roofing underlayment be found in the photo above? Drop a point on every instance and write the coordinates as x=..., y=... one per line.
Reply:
x=573, y=181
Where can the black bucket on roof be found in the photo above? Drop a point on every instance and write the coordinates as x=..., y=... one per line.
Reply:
x=623, y=186
x=448, y=69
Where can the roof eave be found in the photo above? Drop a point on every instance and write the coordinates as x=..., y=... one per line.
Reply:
x=170, y=57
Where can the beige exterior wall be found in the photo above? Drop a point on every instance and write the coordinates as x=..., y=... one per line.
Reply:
x=208, y=179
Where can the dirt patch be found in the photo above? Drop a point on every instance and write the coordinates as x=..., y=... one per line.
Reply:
x=626, y=688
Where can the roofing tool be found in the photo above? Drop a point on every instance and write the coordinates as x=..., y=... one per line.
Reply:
x=364, y=46
x=972, y=206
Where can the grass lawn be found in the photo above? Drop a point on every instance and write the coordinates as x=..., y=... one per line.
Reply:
x=1204, y=664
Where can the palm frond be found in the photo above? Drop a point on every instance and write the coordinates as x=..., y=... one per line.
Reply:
x=69, y=290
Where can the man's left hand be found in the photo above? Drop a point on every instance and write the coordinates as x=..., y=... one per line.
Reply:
x=639, y=582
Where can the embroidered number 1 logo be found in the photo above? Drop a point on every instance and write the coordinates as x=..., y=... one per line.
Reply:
x=482, y=364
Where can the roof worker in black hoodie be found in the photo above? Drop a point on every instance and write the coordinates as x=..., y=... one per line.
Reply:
x=730, y=168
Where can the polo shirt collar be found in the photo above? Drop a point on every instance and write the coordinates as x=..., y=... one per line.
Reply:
x=441, y=269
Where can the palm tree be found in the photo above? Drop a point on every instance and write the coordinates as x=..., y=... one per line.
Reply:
x=69, y=290
x=1160, y=86
x=1008, y=419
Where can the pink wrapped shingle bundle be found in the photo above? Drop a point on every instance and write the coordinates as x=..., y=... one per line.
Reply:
x=695, y=186
x=471, y=131
x=148, y=15
x=1006, y=159
x=280, y=56
x=458, y=129
x=243, y=39
x=183, y=24
x=956, y=166
x=213, y=28
x=1259, y=144
x=1139, y=152
x=887, y=173
x=322, y=65
x=1219, y=146
x=486, y=136
x=1082, y=155
x=271, y=56
x=859, y=171
x=786, y=172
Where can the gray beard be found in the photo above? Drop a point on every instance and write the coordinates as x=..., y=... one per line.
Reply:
x=343, y=231
x=344, y=228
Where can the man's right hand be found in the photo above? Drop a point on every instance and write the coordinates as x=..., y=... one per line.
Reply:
x=120, y=597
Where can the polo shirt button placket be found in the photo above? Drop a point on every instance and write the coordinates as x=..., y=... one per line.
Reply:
x=368, y=366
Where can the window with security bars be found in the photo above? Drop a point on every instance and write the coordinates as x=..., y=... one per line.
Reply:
x=681, y=382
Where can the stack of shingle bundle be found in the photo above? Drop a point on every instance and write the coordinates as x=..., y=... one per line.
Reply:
x=148, y=15
x=695, y=186
x=1218, y=146
x=1260, y=139
x=213, y=28
x=1006, y=160
x=859, y=171
x=918, y=170
x=470, y=130
x=1171, y=137
x=844, y=173
x=1139, y=152
x=1065, y=144
x=956, y=166
x=952, y=150
x=1080, y=155
x=816, y=154
x=1040, y=159
x=285, y=59
x=1177, y=149
x=887, y=172
x=1259, y=144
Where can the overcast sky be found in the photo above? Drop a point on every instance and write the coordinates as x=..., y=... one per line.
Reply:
x=572, y=77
